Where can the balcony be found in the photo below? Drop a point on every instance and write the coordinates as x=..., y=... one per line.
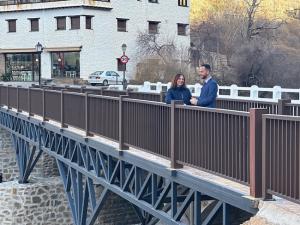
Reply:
x=21, y=5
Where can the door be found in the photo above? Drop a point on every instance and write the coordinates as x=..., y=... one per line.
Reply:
x=116, y=78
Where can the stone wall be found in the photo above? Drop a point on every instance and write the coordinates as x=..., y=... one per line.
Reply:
x=38, y=203
x=46, y=166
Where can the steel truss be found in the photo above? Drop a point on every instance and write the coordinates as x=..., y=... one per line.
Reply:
x=156, y=193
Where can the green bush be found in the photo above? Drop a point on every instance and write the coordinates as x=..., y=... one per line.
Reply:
x=6, y=77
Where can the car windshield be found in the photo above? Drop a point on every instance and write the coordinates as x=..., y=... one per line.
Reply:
x=97, y=73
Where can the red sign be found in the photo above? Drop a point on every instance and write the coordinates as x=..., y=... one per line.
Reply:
x=124, y=59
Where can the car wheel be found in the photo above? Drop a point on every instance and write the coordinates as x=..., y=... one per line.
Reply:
x=105, y=83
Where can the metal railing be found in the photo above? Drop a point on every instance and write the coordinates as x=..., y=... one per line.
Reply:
x=281, y=155
x=255, y=148
x=284, y=107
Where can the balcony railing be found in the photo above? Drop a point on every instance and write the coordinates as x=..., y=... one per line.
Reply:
x=17, y=2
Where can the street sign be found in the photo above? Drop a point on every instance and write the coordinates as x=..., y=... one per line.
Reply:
x=124, y=59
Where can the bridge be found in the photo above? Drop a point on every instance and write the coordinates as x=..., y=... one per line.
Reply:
x=164, y=159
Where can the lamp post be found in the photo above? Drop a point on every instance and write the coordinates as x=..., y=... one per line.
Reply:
x=124, y=60
x=39, y=49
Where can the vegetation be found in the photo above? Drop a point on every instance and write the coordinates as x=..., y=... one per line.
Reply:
x=249, y=41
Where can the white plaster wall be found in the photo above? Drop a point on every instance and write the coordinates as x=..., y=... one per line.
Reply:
x=101, y=45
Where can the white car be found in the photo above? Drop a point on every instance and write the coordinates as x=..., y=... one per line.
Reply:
x=105, y=78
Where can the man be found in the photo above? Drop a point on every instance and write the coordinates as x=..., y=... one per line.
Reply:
x=209, y=90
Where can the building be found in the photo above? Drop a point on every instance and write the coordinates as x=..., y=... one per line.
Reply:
x=82, y=36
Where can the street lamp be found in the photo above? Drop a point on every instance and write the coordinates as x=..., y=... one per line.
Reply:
x=124, y=60
x=39, y=50
x=124, y=47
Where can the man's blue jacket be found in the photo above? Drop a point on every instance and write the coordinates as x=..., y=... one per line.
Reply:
x=208, y=94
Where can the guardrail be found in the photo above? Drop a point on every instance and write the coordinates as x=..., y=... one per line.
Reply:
x=255, y=148
x=253, y=93
x=281, y=155
x=284, y=107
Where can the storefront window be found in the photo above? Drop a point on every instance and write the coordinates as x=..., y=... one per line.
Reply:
x=22, y=66
x=66, y=64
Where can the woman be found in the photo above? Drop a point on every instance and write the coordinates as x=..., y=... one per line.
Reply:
x=178, y=91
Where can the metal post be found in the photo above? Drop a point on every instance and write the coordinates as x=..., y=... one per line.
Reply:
x=18, y=99
x=121, y=128
x=62, y=119
x=44, y=105
x=162, y=96
x=174, y=149
x=124, y=88
x=256, y=151
x=29, y=101
x=40, y=69
x=265, y=162
x=87, y=125
x=7, y=97
x=282, y=109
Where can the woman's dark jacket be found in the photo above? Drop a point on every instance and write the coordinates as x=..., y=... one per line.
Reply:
x=178, y=93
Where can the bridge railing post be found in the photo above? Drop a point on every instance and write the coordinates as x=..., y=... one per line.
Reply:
x=82, y=89
x=174, y=149
x=7, y=97
x=87, y=120
x=256, y=151
x=62, y=117
x=44, y=104
x=18, y=99
x=162, y=96
x=29, y=101
x=121, y=123
x=282, y=109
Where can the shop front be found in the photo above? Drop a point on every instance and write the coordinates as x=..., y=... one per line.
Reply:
x=65, y=64
x=22, y=66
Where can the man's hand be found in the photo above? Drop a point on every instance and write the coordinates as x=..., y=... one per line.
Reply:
x=194, y=101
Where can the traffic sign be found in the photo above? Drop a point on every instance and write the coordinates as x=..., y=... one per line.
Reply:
x=124, y=59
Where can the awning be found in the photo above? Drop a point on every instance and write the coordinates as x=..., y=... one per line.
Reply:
x=17, y=50
x=63, y=49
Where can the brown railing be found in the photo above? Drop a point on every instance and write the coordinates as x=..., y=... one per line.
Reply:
x=283, y=107
x=215, y=140
x=246, y=105
x=281, y=156
x=147, y=126
x=228, y=143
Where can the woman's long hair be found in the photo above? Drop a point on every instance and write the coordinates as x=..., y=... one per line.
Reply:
x=174, y=83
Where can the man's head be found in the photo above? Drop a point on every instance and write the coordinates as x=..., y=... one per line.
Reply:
x=204, y=71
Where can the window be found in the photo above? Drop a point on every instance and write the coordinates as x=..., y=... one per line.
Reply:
x=153, y=1
x=12, y=27
x=61, y=23
x=75, y=22
x=65, y=64
x=153, y=27
x=22, y=66
x=121, y=66
x=122, y=25
x=183, y=3
x=88, y=22
x=181, y=29
x=34, y=24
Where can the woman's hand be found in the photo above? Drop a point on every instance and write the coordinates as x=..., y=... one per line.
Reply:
x=194, y=101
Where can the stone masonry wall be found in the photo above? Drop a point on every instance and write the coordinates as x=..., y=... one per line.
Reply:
x=46, y=166
x=42, y=202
